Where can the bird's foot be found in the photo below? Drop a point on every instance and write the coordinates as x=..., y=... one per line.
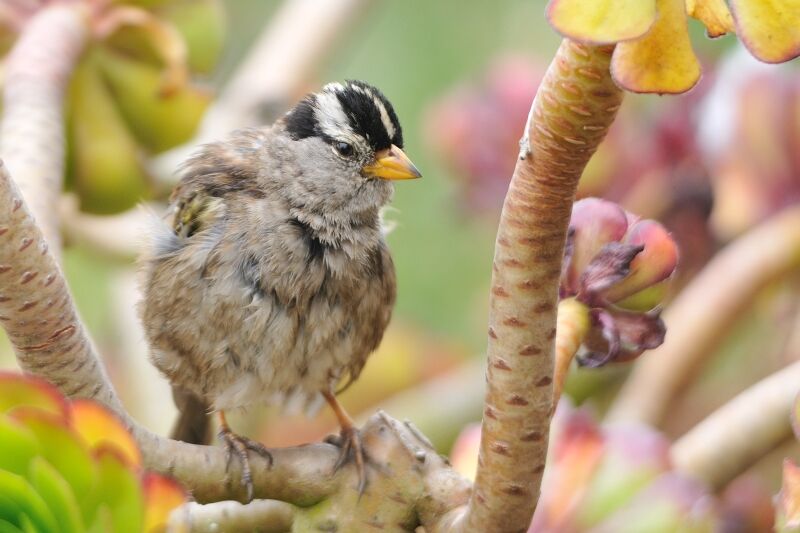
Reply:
x=349, y=441
x=239, y=445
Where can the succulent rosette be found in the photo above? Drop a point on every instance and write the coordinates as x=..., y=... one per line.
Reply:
x=72, y=467
x=616, y=271
x=132, y=93
x=653, y=50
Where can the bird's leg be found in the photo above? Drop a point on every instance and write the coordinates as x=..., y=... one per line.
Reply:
x=235, y=443
x=349, y=440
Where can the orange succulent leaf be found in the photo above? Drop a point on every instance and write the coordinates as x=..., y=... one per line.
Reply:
x=788, y=501
x=769, y=30
x=162, y=495
x=18, y=390
x=714, y=14
x=99, y=427
x=663, y=60
x=601, y=21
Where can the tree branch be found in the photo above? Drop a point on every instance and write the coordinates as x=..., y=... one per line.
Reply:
x=37, y=76
x=741, y=432
x=576, y=103
x=704, y=311
x=260, y=516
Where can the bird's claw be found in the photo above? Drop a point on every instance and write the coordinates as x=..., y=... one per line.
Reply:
x=349, y=441
x=239, y=445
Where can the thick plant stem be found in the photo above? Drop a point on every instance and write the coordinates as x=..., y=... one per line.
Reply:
x=576, y=103
x=37, y=75
x=740, y=432
x=704, y=311
x=36, y=308
x=264, y=516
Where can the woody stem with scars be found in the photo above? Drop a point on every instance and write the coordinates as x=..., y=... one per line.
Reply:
x=576, y=103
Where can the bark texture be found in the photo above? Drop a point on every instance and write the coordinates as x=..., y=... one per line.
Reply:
x=576, y=103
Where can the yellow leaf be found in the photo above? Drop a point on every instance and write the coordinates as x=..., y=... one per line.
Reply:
x=601, y=21
x=714, y=14
x=770, y=29
x=99, y=427
x=162, y=495
x=662, y=61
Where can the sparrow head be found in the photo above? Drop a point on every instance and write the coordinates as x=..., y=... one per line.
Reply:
x=348, y=145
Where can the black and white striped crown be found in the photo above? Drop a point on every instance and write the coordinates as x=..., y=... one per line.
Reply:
x=341, y=110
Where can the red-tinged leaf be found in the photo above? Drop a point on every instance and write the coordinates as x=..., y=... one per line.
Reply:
x=577, y=450
x=601, y=21
x=162, y=495
x=18, y=390
x=594, y=223
x=100, y=427
x=663, y=60
x=770, y=30
x=714, y=14
x=654, y=264
x=788, y=504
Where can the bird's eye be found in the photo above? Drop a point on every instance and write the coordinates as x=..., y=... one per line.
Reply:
x=343, y=149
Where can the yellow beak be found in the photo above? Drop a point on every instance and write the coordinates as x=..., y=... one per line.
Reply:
x=392, y=164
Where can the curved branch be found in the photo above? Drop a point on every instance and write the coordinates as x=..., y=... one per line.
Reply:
x=260, y=516
x=37, y=76
x=704, y=311
x=741, y=432
x=576, y=103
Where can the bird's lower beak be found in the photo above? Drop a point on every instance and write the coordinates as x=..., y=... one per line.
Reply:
x=392, y=164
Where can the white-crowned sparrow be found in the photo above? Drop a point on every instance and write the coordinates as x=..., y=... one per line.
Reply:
x=273, y=282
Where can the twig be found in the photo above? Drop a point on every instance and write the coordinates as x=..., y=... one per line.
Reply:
x=742, y=431
x=576, y=103
x=37, y=74
x=703, y=312
x=259, y=516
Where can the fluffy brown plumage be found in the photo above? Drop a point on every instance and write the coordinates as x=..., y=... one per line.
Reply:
x=272, y=283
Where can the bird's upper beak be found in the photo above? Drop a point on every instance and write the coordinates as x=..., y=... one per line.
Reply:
x=392, y=164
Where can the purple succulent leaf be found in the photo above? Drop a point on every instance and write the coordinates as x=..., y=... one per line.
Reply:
x=611, y=265
x=608, y=327
x=639, y=331
x=594, y=222
x=566, y=289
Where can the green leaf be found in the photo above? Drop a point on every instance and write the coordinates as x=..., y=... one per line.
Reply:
x=18, y=446
x=58, y=495
x=61, y=448
x=120, y=490
x=8, y=527
x=22, y=495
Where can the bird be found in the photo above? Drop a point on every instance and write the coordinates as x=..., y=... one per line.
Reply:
x=269, y=280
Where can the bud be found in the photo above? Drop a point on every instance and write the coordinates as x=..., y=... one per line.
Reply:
x=618, y=267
